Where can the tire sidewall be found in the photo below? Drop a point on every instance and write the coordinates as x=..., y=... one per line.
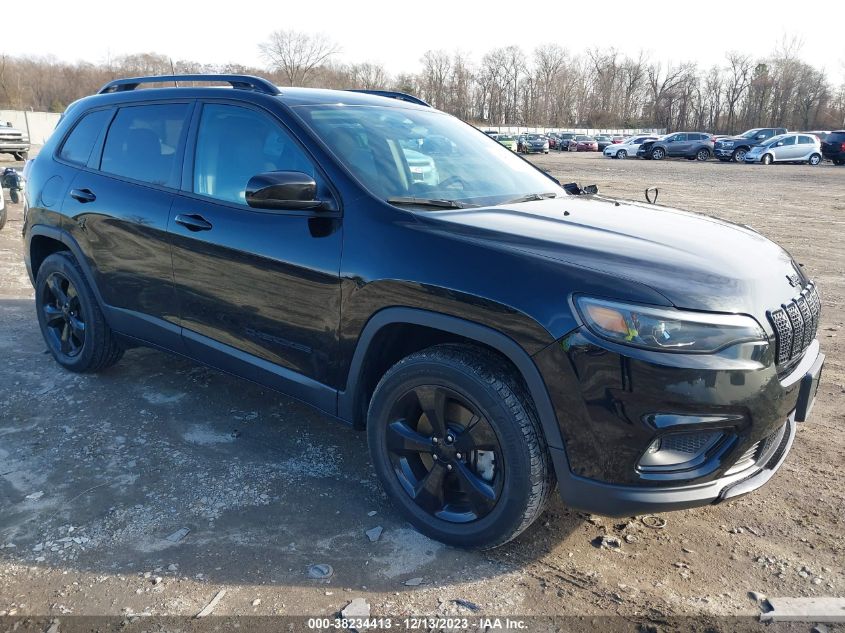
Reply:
x=62, y=263
x=509, y=511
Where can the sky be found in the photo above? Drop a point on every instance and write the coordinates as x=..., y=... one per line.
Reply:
x=396, y=33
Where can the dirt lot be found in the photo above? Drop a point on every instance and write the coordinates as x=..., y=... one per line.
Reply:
x=97, y=471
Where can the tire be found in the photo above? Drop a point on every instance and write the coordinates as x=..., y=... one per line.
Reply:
x=13, y=195
x=622, y=154
x=739, y=155
x=766, y=159
x=703, y=154
x=839, y=161
x=815, y=159
x=90, y=348
x=658, y=153
x=515, y=477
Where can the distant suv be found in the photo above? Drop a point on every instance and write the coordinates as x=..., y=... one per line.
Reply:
x=691, y=145
x=733, y=148
x=833, y=147
x=14, y=142
x=493, y=333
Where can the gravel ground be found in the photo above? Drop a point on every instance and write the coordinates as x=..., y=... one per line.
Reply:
x=99, y=473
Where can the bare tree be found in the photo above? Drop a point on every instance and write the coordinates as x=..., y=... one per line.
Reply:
x=295, y=55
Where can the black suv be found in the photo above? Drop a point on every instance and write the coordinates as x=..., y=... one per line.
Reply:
x=494, y=332
x=833, y=147
x=691, y=145
x=734, y=148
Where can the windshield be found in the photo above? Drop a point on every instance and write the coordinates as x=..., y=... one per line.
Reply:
x=582, y=137
x=424, y=154
x=751, y=133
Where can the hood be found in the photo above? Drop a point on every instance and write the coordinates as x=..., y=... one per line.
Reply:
x=695, y=261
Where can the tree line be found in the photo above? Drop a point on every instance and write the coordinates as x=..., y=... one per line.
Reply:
x=551, y=86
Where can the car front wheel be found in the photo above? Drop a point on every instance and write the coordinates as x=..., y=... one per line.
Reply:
x=622, y=154
x=658, y=153
x=767, y=159
x=458, y=448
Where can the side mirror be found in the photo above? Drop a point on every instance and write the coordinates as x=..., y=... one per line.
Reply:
x=779, y=143
x=282, y=190
x=760, y=137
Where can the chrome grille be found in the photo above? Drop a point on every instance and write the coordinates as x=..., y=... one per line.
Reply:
x=795, y=324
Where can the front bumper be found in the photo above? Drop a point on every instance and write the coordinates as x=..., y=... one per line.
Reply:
x=723, y=152
x=13, y=147
x=607, y=399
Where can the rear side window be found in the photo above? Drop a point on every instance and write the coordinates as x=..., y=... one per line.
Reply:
x=143, y=143
x=77, y=147
x=805, y=140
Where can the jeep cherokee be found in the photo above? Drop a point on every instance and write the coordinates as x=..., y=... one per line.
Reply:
x=494, y=334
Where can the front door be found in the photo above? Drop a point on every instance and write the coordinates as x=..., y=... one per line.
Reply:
x=257, y=286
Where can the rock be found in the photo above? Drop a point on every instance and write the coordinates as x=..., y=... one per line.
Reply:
x=820, y=628
x=358, y=608
x=256, y=602
x=178, y=535
x=157, y=580
x=817, y=581
x=413, y=582
x=607, y=542
x=803, y=574
x=372, y=513
x=737, y=530
x=630, y=538
x=172, y=567
x=375, y=533
x=756, y=596
x=320, y=571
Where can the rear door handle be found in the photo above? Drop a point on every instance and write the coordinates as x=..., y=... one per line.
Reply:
x=83, y=195
x=193, y=222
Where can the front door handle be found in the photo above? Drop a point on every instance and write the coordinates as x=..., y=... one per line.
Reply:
x=83, y=195
x=193, y=222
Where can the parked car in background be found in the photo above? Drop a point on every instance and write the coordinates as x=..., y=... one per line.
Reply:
x=819, y=134
x=603, y=141
x=628, y=148
x=787, y=148
x=535, y=144
x=14, y=142
x=563, y=140
x=691, y=145
x=583, y=143
x=554, y=140
x=507, y=140
x=619, y=139
x=734, y=147
x=833, y=147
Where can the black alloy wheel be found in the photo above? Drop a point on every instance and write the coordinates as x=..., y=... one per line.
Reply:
x=445, y=455
x=63, y=316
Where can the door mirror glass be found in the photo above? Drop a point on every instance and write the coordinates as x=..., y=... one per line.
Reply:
x=779, y=143
x=282, y=190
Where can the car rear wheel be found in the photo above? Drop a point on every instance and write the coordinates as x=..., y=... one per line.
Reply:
x=739, y=155
x=457, y=446
x=767, y=159
x=658, y=153
x=702, y=154
x=622, y=154
x=70, y=319
x=839, y=161
x=815, y=159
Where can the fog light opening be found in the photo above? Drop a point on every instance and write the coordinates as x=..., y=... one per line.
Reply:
x=678, y=451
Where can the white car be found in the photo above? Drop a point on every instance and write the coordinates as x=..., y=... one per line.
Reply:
x=628, y=147
x=2, y=209
x=787, y=148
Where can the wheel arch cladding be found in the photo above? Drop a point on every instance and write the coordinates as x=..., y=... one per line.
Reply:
x=413, y=329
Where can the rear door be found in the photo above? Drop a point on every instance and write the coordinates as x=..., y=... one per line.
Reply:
x=805, y=145
x=120, y=206
x=256, y=287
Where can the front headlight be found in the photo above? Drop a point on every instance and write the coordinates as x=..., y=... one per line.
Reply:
x=666, y=329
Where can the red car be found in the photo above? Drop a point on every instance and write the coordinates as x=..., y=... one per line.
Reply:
x=618, y=139
x=583, y=143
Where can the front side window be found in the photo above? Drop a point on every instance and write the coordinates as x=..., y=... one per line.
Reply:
x=234, y=144
x=423, y=154
x=143, y=142
x=77, y=147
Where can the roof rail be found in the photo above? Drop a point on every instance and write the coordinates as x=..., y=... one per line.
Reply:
x=392, y=94
x=241, y=82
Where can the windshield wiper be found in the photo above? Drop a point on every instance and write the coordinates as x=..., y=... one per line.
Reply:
x=427, y=202
x=531, y=196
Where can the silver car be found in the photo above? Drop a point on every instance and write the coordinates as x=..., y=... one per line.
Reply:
x=787, y=148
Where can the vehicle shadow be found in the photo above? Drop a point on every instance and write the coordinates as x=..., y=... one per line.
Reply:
x=99, y=473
